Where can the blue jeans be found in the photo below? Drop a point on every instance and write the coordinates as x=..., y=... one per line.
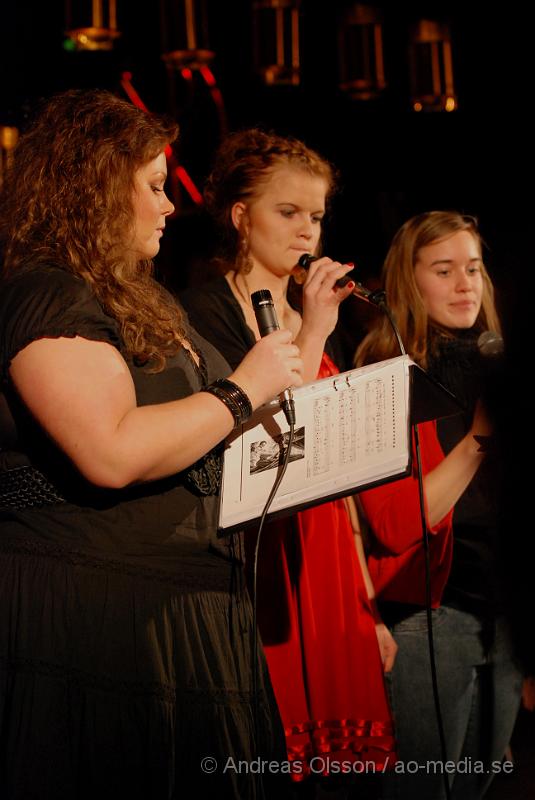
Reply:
x=479, y=688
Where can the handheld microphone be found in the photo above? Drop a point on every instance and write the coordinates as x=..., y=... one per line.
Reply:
x=267, y=322
x=306, y=260
x=376, y=297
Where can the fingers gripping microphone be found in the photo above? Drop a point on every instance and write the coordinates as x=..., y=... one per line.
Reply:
x=376, y=297
x=306, y=260
x=267, y=322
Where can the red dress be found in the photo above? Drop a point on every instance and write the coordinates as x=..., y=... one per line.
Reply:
x=319, y=638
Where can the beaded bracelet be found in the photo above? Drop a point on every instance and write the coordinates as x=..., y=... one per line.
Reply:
x=233, y=397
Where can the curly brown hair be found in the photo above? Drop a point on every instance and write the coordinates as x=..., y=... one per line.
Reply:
x=243, y=163
x=418, y=333
x=68, y=198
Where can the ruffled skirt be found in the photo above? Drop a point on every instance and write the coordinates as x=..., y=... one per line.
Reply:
x=321, y=646
x=118, y=682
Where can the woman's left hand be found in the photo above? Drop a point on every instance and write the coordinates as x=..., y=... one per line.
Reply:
x=387, y=646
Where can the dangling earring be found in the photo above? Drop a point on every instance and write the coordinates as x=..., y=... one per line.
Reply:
x=244, y=262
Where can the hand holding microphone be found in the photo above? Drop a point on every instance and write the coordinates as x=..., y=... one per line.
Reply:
x=272, y=365
x=376, y=297
x=306, y=260
x=267, y=322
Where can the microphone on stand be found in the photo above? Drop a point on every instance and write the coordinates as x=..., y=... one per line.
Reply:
x=490, y=344
x=490, y=372
x=375, y=297
x=267, y=322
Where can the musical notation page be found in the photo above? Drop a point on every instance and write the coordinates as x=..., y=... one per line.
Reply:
x=351, y=432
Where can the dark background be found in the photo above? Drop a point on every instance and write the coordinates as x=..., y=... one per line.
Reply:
x=476, y=160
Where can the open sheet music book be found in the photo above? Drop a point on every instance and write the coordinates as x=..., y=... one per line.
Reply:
x=352, y=432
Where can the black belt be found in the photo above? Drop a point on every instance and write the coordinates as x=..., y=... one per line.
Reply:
x=27, y=487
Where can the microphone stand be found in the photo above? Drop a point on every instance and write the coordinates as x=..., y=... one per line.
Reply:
x=378, y=299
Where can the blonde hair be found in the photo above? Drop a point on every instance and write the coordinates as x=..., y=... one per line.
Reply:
x=68, y=200
x=418, y=332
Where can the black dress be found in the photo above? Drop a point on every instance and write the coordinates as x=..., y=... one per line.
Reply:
x=125, y=633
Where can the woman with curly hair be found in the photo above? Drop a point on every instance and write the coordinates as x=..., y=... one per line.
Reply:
x=125, y=630
x=442, y=297
x=316, y=613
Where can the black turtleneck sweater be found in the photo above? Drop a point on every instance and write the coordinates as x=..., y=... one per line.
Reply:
x=473, y=584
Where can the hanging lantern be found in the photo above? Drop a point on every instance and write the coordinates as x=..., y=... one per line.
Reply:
x=90, y=24
x=184, y=34
x=9, y=137
x=360, y=47
x=276, y=41
x=431, y=67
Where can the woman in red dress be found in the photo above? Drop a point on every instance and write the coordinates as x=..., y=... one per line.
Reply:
x=316, y=610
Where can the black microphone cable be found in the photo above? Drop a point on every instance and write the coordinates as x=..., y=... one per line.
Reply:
x=429, y=610
x=266, y=318
x=427, y=571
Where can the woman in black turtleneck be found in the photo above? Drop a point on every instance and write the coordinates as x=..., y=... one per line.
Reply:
x=443, y=300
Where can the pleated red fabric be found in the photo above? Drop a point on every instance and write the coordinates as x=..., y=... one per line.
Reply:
x=319, y=638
